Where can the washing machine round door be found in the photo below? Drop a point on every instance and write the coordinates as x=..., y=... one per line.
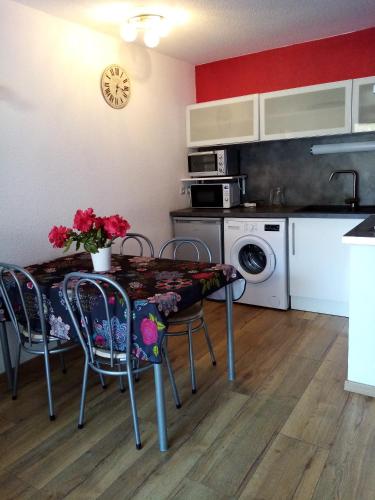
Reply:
x=254, y=258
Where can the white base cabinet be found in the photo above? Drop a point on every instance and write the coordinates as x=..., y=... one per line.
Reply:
x=319, y=265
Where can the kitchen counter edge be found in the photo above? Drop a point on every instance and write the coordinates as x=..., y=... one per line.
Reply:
x=266, y=212
x=363, y=234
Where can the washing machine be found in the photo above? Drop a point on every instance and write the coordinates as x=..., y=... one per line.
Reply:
x=258, y=249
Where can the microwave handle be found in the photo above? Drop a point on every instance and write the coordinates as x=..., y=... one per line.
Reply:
x=201, y=153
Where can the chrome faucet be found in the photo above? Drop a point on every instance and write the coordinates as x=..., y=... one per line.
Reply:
x=354, y=201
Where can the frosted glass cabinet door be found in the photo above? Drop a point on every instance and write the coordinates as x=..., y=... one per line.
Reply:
x=306, y=111
x=227, y=121
x=364, y=104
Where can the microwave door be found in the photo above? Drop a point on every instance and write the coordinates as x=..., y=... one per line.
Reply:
x=203, y=164
x=207, y=195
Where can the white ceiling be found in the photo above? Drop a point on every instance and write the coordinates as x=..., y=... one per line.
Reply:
x=218, y=29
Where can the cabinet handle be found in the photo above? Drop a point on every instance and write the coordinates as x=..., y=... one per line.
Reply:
x=293, y=238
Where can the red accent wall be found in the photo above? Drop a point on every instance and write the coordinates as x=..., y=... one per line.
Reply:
x=332, y=59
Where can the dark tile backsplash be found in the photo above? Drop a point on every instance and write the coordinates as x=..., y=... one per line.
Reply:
x=304, y=177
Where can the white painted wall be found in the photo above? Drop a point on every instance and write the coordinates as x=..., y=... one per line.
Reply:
x=62, y=147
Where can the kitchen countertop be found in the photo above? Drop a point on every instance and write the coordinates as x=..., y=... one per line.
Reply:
x=363, y=234
x=321, y=211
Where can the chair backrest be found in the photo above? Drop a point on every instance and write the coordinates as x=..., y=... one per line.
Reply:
x=82, y=293
x=24, y=302
x=177, y=243
x=140, y=239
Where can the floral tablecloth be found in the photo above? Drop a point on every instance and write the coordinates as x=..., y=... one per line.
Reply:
x=156, y=288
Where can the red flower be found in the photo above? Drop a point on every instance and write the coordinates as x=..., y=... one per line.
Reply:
x=149, y=331
x=100, y=341
x=203, y=276
x=116, y=226
x=99, y=222
x=84, y=220
x=58, y=236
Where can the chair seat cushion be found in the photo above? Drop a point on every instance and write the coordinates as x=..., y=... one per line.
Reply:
x=190, y=314
x=37, y=337
x=105, y=353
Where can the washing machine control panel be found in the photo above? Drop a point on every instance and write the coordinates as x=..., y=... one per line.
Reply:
x=272, y=227
x=251, y=227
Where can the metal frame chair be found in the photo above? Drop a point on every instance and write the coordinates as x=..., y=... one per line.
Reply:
x=138, y=237
x=193, y=314
x=37, y=343
x=104, y=361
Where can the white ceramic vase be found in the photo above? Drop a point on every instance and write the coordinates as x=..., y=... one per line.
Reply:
x=102, y=259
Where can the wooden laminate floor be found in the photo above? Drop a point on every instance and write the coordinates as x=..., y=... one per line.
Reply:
x=284, y=429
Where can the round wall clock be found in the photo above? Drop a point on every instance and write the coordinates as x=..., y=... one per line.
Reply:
x=115, y=86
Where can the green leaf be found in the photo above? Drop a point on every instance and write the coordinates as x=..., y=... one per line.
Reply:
x=160, y=325
x=90, y=247
x=68, y=244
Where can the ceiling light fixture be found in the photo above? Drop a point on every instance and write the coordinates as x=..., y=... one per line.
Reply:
x=153, y=26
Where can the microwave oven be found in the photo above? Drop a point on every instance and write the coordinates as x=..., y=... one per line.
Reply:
x=217, y=162
x=215, y=195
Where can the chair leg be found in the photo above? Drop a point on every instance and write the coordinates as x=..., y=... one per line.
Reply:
x=61, y=356
x=172, y=380
x=191, y=360
x=101, y=377
x=138, y=443
x=121, y=380
x=81, y=418
x=49, y=384
x=136, y=364
x=15, y=374
x=209, y=343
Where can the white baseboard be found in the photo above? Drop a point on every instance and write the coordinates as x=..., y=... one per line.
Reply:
x=337, y=308
x=364, y=389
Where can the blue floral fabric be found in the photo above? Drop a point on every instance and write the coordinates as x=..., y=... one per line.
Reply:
x=156, y=288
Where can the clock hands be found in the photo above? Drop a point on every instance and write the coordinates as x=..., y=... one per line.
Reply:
x=119, y=88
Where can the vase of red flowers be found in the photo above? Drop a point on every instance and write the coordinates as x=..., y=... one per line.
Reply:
x=101, y=260
x=95, y=234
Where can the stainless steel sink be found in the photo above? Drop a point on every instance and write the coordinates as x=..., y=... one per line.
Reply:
x=338, y=209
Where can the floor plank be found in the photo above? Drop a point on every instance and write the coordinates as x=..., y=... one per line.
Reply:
x=284, y=429
x=290, y=467
x=224, y=465
x=349, y=472
x=315, y=417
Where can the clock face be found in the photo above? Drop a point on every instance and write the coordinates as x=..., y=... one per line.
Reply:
x=115, y=86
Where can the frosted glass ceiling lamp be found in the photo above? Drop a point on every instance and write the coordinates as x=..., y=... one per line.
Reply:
x=151, y=38
x=153, y=26
x=128, y=33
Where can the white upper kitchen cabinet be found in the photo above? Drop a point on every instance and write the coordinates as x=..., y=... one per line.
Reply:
x=363, y=105
x=319, y=265
x=226, y=121
x=306, y=111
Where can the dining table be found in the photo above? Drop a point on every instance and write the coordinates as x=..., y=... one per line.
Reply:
x=157, y=288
